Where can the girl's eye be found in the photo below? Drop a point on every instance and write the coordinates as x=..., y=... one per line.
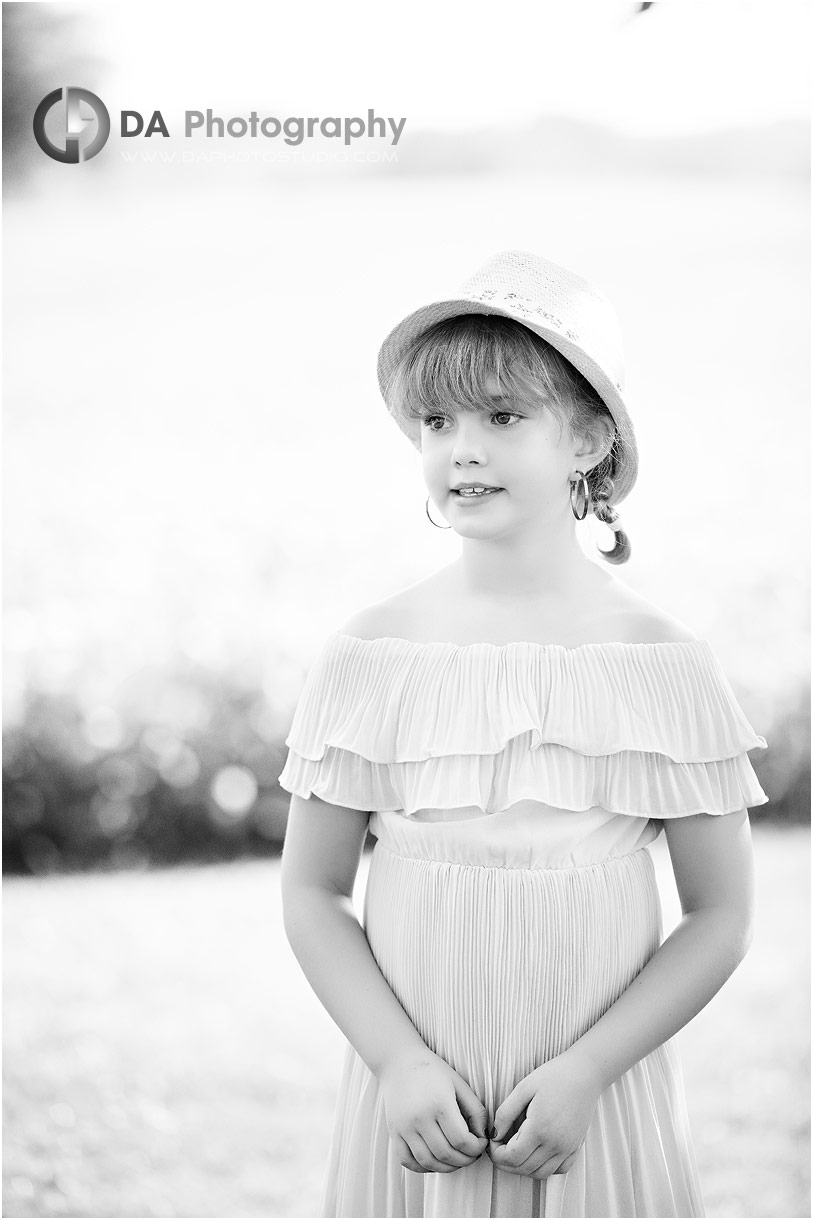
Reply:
x=428, y=419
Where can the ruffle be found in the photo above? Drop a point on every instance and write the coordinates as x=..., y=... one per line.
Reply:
x=648, y=730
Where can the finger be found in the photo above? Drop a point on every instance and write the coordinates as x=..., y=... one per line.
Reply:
x=404, y=1154
x=525, y=1144
x=549, y=1167
x=505, y=1157
x=440, y=1147
x=511, y=1109
x=568, y=1163
x=523, y=1170
x=424, y=1156
x=454, y=1128
x=471, y=1108
x=540, y=1161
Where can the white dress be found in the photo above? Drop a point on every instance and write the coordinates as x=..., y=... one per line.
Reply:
x=510, y=897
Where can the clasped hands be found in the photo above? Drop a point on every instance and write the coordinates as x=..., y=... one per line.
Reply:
x=438, y=1124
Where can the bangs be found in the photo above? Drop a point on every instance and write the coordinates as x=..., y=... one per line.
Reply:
x=448, y=368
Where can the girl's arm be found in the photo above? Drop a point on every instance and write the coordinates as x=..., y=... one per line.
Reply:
x=435, y=1120
x=320, y=860
x=712, y=859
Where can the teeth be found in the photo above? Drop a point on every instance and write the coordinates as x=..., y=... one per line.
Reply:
x=475, y=491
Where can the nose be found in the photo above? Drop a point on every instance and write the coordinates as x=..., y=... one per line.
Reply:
x=468, y=444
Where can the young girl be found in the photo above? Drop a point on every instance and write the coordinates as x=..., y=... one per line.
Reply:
x=515, y=730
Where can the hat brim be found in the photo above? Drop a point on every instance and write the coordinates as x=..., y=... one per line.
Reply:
x=404, y=334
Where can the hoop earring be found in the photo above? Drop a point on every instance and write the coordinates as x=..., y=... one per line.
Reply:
x=580, y=482
x=440, y=527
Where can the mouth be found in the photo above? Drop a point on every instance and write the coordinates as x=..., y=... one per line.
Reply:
x=475, y=491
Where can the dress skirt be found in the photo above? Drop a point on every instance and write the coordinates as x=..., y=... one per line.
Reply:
x=500, y=968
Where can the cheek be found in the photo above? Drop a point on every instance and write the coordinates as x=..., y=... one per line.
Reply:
x=538, y=477
x=435, y=469
x=434, y=454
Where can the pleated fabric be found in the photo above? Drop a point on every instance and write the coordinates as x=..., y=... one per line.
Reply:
x=501, y=969
x=510, y=898
x=645, y=730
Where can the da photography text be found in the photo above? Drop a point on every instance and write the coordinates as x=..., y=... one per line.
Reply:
x=293, y=129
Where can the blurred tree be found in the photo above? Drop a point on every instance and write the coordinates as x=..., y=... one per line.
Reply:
x=42, y=51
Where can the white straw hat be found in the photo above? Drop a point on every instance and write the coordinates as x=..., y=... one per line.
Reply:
x=558, y=305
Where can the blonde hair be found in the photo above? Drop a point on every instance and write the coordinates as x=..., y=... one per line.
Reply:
x=448, y=365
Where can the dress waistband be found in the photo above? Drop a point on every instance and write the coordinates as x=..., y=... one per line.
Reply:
x=497, y=841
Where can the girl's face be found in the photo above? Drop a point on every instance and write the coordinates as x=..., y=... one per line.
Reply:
x=514, y=447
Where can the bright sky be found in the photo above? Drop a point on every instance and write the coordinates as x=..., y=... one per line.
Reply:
x=683, y=65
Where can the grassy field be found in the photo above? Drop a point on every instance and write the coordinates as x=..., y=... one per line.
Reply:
x=164, y=1055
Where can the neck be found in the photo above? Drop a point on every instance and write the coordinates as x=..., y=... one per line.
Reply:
x=549, y=563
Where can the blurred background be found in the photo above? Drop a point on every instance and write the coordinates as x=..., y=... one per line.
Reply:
x=201, y=482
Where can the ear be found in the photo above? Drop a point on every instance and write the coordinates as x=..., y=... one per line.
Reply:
x=595, y=444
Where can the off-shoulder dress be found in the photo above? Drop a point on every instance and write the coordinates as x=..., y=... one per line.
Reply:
x=510, y=898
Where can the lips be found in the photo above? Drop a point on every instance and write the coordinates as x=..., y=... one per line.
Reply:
x=481, y=493
x=477, y=486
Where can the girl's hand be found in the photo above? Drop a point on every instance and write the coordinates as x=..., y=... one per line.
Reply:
x=550, y=1111
x=435, y=1119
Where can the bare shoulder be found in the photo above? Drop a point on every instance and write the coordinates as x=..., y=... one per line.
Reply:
x=662, y=628
x=389, y=618
x=647, y=623
x=401, y=615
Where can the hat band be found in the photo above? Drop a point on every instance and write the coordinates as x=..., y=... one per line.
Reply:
x=523, y=305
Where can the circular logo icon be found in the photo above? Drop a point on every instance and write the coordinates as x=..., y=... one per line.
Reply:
x=74, y=125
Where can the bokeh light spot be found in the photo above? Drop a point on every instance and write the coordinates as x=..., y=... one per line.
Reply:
x=235, y=790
